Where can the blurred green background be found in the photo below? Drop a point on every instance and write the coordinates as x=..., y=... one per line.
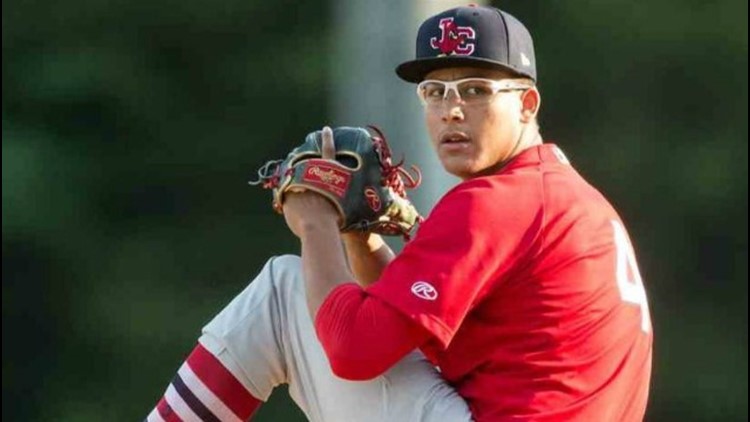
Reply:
x=131, y=127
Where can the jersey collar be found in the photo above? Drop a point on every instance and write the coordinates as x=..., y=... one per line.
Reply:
x=544, y=153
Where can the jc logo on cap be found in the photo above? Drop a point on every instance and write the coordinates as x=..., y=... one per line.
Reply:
x=453, y=38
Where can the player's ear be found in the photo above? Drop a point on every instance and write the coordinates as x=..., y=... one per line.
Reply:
x=531, y=100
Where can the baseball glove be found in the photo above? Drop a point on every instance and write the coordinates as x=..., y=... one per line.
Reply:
x=367, y=189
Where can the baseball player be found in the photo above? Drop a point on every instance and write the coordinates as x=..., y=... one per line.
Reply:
x=519, y=298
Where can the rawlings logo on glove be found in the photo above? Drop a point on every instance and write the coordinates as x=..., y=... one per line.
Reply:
x=327, y=177
x=367, y=189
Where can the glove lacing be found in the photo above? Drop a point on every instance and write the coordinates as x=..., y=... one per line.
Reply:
x=395, y=177
x=268, y=175
x=391, y=172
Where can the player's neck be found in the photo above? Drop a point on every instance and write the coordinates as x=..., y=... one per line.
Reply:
x=528, y=138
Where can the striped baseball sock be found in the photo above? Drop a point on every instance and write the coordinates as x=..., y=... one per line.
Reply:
x=204, y=390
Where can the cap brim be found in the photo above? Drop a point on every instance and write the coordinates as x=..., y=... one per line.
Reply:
x=415, y=70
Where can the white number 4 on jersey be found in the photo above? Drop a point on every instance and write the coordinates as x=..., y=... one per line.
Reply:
x=628, y=277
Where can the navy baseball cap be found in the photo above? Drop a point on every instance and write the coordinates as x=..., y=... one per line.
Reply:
x=474, y=36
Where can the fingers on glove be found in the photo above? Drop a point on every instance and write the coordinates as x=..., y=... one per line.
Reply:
x=328, y=147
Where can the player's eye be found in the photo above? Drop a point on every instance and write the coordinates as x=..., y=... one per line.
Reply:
x=433, y=91
x=475, y=89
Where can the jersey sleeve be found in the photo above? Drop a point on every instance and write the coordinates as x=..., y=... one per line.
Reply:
x=474, y=237
x=361, y=335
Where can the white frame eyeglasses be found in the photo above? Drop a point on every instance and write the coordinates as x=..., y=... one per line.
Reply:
x=465, y=85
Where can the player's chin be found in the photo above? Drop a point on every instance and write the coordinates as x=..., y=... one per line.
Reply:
x=458, y=166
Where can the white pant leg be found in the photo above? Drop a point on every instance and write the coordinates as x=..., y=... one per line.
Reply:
x=266, y=338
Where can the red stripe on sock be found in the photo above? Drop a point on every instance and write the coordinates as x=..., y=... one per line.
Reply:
x=166, y=412
x=222, y=383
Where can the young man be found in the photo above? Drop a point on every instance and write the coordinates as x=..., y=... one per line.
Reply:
x=521, y=286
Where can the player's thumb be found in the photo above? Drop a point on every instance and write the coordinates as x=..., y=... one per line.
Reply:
x=328, y=147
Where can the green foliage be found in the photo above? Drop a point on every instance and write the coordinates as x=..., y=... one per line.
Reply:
x=130, y=128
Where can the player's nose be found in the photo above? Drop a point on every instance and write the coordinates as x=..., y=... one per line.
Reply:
x=452, y=110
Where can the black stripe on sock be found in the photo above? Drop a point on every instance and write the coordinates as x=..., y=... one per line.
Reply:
x=195, y=404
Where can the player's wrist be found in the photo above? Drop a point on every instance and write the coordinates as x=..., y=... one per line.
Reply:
x=363, y=240
x=325, y=224
x=355, y=237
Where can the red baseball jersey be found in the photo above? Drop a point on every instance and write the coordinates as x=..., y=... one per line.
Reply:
x=528, y=283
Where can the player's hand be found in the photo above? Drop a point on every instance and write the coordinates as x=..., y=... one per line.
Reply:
x=362, y=243
x=307, y=211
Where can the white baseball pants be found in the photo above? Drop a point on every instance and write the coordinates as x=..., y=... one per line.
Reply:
x=265, y=338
